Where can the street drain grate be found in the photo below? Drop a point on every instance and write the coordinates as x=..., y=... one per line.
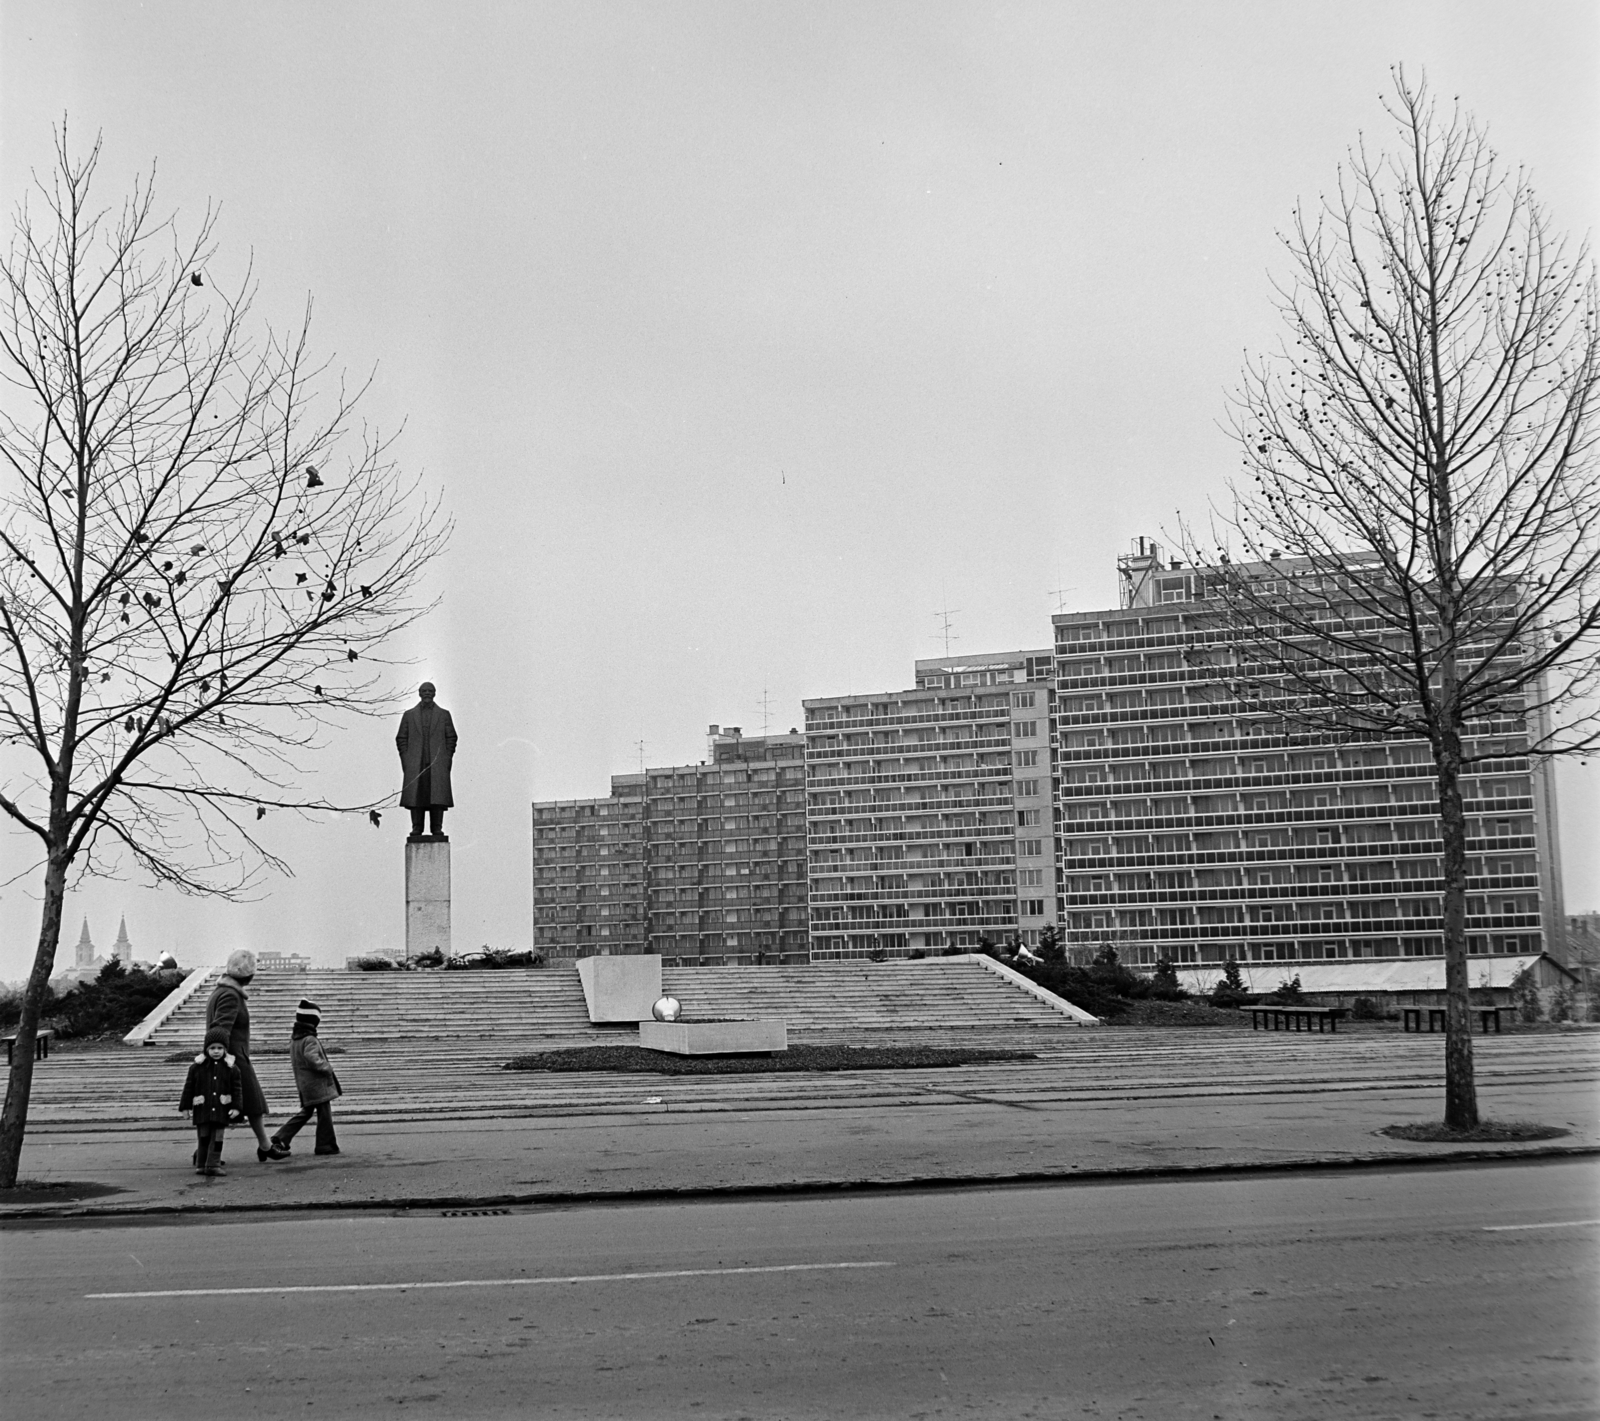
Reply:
x=471, y=1213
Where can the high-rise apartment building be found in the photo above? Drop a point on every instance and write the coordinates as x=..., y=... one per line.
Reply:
x=588, y=873
x=700, y=863
x=1195, y=828
x=928, y=810
x=725, y=852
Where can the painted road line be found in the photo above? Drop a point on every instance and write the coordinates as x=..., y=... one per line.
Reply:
x=491, y=1282
x=1518, y=1228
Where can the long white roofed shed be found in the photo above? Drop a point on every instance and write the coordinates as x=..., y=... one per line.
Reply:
x=1411, y=981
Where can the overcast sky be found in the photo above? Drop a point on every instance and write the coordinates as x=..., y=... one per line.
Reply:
x=743, y=339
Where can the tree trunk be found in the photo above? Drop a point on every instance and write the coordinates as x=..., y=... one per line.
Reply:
x=14, y=1118
x=1460, y=1089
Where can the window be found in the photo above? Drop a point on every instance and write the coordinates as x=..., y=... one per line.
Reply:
x=1025, y=729
x=1034, y=878
x=1027, y=818
x=1028, y=789
x=1022, y=700
x=1031, y=907
x=1030, y=848
x=1025, y=759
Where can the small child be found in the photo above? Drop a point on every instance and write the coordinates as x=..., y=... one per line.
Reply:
x=314, y=1079
x=214, y=1092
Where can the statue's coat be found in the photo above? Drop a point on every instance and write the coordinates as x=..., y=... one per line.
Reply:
x=427, y=745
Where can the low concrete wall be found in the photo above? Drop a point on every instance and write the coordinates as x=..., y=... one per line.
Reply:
x=1033, y=989
x=141, y=1034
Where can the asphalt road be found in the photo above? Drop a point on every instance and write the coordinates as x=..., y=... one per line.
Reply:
x=1460, y=1293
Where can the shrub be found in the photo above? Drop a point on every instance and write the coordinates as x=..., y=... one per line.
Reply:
x=1229, y=990
x=1561, y=1004
x=1288, y=994
x=115, y=1002
x=1365, y=1009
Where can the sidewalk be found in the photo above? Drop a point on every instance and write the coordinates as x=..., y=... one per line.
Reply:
x=1124, y=1104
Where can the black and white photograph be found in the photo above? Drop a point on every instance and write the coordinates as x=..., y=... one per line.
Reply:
x=700, y=701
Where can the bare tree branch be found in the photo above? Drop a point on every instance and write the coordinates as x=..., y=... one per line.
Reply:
x=201, y=555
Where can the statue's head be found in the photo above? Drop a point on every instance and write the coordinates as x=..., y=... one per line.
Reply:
x=426, y=690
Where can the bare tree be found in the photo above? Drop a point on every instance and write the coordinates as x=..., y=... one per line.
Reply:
x=201, y=560
x=1416, y=550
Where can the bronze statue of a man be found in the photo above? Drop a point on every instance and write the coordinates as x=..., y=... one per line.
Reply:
x=427, y=745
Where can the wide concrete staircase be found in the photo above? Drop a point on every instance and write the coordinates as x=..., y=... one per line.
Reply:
x=501, y=1013
x=422, y=1045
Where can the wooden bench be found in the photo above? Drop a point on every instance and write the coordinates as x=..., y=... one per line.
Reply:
x=1411, y=1018
x=41, y=1046
x=1287, y=1018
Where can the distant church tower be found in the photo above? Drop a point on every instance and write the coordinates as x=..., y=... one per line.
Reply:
x=122, y=949
x=85, y=947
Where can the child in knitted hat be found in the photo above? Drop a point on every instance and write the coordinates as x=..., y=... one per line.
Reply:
x=215, y=1092
x=314, y=1079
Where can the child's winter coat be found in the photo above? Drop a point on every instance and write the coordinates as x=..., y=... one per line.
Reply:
x=313, y=1076
x=213, y=1090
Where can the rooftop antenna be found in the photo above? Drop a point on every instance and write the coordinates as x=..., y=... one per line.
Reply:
x=765, y=704
x=946, y=620
x=639, y=746
x=1060, y=593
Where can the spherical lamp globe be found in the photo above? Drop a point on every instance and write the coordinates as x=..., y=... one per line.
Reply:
x=667, y=1009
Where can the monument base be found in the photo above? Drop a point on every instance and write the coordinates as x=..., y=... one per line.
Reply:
x=715, y=1038
x=620, y=988
x=427, y=895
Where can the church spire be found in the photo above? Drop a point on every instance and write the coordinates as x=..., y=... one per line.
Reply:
x=85, y=954
x=122, y=949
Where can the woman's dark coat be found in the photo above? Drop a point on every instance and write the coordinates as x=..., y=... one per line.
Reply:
x=228, y=1021
x=214, y=1090
x=313, y=1076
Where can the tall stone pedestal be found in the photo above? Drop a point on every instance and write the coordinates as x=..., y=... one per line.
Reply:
x=427, y=895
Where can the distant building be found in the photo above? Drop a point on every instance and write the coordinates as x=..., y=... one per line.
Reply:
x=1197, y=829
x=1583, y=949
x=122, y=949
x=86, y=962
x=928, y=810
x=270, y=961
x=700, y=863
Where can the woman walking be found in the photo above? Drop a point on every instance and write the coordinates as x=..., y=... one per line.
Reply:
x=228, y=1021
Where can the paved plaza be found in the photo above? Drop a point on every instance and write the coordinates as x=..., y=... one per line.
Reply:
x=446, y=1127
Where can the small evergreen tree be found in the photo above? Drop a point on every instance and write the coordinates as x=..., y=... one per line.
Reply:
x=1230, y=990
x=1525, y=995
x=1164, y=982
x=1051, y=948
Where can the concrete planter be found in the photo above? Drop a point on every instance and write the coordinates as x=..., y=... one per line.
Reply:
x=714, y=1038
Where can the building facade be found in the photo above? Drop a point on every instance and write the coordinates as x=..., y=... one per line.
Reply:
x=701, y=863
x=928, y=811
x=1193, y=828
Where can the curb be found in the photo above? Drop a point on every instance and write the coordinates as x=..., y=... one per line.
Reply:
x=908, y=1184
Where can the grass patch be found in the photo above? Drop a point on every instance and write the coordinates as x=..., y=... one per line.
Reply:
x=1152, y=1012
x=1485, y=1132
x=796, y=1058
x=62, y=1191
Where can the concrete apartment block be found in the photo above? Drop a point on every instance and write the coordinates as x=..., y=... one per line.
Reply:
x=698, y=863
x=1195, y=830
x=925, y=808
